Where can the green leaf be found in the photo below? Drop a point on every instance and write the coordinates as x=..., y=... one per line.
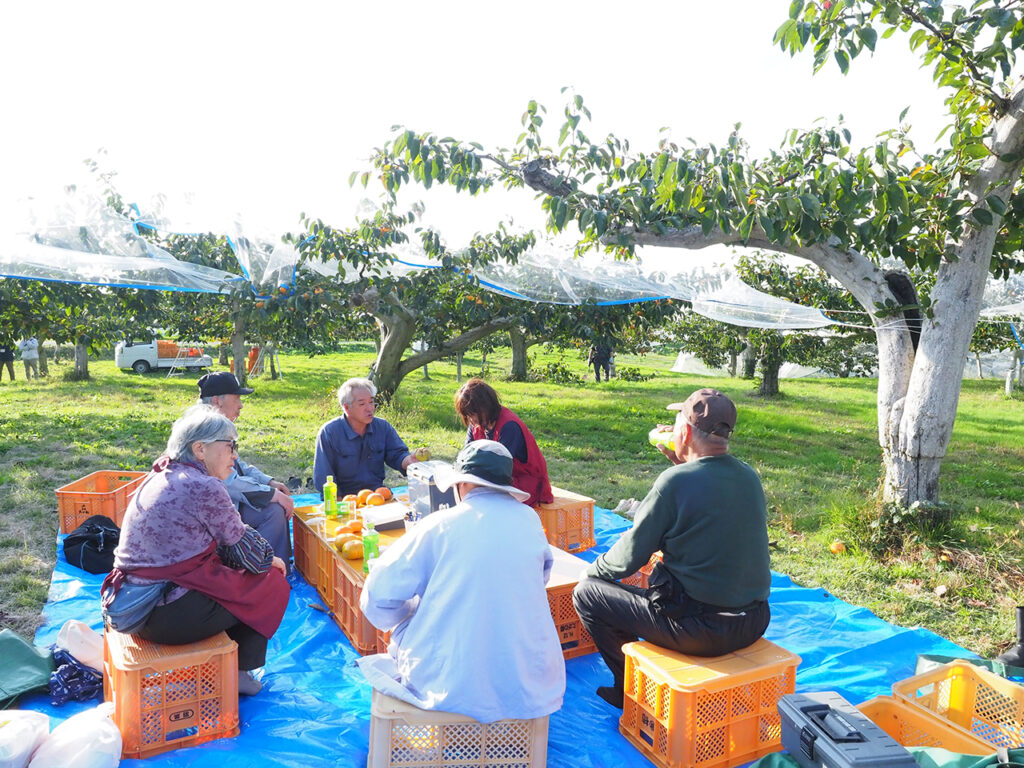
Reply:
x=659, y=166
x=810, y=204
x=869, y=37
x=996, y=204
x=795, y=7
x=600, y=222
x=843, y=60
x=976, y=150
x=745, y=226
x=982, y=215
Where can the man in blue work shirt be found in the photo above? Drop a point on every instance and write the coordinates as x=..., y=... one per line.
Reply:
x=355, y=448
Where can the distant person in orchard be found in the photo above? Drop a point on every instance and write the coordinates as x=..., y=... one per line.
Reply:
x=263, y=502
x=463, y=594
x=6, y=359
x=357, y=447
x=601, y=358
x=29, y=349
x=486, y=418
x=709, y=594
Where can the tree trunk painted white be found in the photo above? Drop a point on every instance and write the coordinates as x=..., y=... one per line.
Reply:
x=81, y=359
x=518, y=341
x=977, y=362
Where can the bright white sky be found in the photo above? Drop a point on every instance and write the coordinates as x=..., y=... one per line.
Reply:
x=265, y=108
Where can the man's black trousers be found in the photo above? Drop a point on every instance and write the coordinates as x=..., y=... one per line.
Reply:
x=615, y=614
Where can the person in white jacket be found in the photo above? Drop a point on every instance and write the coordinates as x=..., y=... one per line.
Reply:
x=463, y=594
x=30, y=356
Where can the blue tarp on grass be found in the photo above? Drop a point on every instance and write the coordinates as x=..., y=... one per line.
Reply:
x=314, y=710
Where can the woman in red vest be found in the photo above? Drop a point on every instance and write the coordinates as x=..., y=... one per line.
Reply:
x=487, y=419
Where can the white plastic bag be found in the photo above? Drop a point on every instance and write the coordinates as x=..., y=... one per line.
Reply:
x=86, y=740
x=21, y=733
x=82, y=642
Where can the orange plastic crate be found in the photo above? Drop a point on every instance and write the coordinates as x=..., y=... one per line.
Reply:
x=170, y=696
x=324, y=555
x=406, y=736
x=640, y=578
x=348, y=585
x=573, y=636
x=690, y=712
x=304, y=549
x=915, y=727
x=973, y=700
x=102, y=493
x=568, y=521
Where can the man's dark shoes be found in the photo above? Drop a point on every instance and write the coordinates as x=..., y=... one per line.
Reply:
x=611, y=694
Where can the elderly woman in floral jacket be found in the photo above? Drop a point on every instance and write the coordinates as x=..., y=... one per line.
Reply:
x=182, y=531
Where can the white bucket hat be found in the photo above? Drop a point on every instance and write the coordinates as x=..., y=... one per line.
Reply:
x=482, y=462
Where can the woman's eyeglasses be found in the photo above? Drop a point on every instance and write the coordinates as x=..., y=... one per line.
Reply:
x=233, y=443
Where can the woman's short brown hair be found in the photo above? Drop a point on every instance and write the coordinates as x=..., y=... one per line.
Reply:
x=477, y=401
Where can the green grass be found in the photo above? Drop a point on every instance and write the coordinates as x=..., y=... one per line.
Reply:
x=815, y=448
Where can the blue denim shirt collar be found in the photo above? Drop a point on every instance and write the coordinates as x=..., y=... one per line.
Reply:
x=351, y=434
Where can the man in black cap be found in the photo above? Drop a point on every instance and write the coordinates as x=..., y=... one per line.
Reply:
x=709, y=594
x=263, y=502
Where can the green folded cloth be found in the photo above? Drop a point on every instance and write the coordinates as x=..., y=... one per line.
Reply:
x=23, y=668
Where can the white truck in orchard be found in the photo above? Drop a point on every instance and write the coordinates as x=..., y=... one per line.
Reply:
x=143, y=357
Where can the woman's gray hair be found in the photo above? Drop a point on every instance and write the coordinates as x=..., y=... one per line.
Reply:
x=346, y=392
x=200, y=423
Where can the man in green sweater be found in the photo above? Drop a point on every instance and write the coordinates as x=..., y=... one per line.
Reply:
x=709, y=594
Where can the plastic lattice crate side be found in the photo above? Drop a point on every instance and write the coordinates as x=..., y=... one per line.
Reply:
x=304, y=549
x=170, y=696
x=916, y=727
x=403, y=735
x=573, y=636
x=348, y=585
x=640, y=578
x=971, y=699
x=568, y=520
x=690, y=712
x=101, y=493
x=324, y=556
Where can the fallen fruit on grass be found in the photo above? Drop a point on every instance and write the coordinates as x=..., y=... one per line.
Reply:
x=836, y=547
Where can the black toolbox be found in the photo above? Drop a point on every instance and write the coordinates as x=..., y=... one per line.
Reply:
x=822, y=730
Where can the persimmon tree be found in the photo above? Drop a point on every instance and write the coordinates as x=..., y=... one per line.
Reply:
x=955, y=212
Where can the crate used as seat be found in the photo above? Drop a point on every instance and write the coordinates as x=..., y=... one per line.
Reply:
x=170, y=696
x=685, y=711
x=407, y=736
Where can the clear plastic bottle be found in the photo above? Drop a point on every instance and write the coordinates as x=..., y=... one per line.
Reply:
x=330, y=497
x=371, y=546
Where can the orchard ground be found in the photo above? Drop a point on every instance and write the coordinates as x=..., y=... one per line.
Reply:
x=958, y=574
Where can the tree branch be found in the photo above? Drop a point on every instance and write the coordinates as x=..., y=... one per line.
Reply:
x=460, y=342
x=1001, y=102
